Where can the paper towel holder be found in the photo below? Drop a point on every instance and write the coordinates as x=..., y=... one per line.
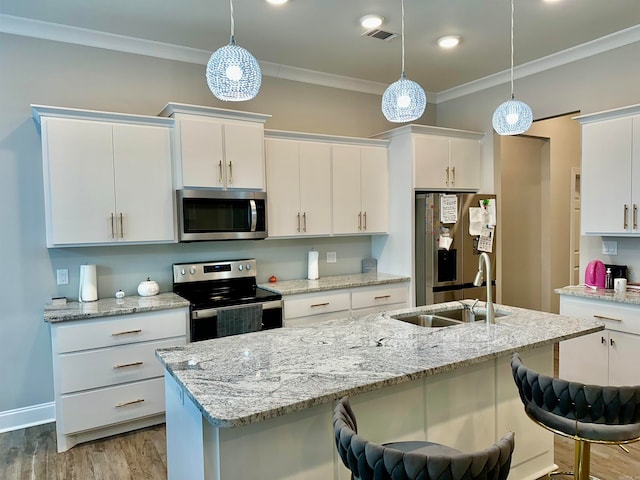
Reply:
x=312, y=264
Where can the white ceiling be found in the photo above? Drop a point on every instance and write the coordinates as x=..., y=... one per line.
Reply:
x=325, y=35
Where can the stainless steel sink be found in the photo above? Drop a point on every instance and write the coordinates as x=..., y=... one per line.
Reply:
x=465, y=315
x=429, y=321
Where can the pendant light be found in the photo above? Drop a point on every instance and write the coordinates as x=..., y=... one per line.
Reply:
x=403, y=100
x=512, y=117
x=233, y=74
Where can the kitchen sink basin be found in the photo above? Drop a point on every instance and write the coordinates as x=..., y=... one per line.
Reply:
x=429, y=321
x=464, y=314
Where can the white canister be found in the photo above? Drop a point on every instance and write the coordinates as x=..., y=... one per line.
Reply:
x=148, y=288
x=312, y=265
x=88, y=288
x=619, y=285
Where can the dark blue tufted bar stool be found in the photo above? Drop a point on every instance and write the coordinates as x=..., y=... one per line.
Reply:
x=415, y=460
x=586, y=413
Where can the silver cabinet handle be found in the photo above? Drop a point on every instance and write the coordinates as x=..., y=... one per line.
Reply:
x=320, y=304
x=453, y=171
x=125, y=365
x=364, y=220
x=220, y=172
x=635, y=216
x=601, y=317
x=626, y=214
x=113, y=235
x=298, y=217
x=230, y=172
x=127, y=332
x=121, y=226
x=447, y=180
x=132, y=402
x=304, y=221
x=382, y=297
x=360, y=221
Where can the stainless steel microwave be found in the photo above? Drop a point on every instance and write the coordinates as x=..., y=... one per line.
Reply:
x=221, y=215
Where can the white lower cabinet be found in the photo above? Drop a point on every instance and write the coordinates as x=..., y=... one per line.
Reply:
x=106, y=377
x=308, y=308
x=608, y=357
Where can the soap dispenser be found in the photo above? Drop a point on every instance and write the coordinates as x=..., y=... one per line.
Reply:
x=608, y=280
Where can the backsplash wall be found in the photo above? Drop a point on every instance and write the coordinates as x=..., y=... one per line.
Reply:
x=628, y=254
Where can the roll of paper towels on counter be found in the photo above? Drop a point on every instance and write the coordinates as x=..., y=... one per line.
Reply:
x=312, y=268
x=88, y=289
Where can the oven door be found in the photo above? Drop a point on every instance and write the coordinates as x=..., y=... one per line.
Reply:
x=203, y=324
x=221, y=215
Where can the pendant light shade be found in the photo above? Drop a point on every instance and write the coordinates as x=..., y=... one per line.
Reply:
x=512, y=117
x=233, y=74
x=403, y=100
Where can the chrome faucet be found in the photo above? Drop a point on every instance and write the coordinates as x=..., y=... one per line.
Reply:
x=491, y=314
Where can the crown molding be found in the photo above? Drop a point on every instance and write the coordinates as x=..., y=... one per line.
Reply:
x=109, y=41
x=579, y=52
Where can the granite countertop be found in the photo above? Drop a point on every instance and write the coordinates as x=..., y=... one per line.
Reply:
x=631, y=297
x=336, y=282
x=248, y=378
x=107, y=307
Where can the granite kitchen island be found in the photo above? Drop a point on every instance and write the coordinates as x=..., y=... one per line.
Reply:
x=260, y=405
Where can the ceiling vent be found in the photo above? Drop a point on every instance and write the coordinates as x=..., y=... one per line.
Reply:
x=380, y=34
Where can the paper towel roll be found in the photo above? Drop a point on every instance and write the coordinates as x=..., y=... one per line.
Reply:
x=88, y=289
x=312, y=268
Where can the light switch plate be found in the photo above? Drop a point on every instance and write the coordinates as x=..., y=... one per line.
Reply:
x=331, y=257
x=609, y=247
x=62, y=276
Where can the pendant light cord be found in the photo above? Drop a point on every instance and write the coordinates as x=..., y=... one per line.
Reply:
x=512, y=96
x=232, y=23
x=402, y=33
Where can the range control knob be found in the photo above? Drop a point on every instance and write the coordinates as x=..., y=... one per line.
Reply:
x=182, y=272
x=248, y=266
x=192, y=270
x=240, y=267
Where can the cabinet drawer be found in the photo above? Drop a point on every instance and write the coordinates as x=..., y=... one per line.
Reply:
x=106, y=406
x=373, y=297
x=315, y=304
x=119, y=330
x=112, y=365
x=615, y=316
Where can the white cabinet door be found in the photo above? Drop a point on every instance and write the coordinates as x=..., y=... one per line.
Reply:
x=606, y=177
x=431, y=162
x=244, y=156
x=624, y=351
x=347, y=207
x=283, y=187
x=315, y=187
x=201, y=152
x=144, y=193
x=374, y=185
x=78, y=178
x=585, y=359
x=465, y=156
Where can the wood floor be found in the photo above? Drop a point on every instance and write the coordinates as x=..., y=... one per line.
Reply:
x=31, y=454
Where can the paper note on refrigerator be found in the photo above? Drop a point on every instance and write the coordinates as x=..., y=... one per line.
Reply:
x=485, y=242
x=475, y=221
x=488, y=206
x=448, y=208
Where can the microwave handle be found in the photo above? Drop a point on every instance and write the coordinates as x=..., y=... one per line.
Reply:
x=254, y=215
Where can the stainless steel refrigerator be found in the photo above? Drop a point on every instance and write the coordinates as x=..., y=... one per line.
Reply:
x=446, y=252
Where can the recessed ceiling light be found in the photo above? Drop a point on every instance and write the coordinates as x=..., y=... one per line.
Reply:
x=449, y=41
x=277, y=2
x=371, y=21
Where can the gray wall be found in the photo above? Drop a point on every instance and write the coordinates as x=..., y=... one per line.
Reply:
x=52, y=73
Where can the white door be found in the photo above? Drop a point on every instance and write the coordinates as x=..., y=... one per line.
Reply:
x=315, y=187
x=624, y=351
x=201, y=151
x=347, y=211
x=144, y=193
x=465, y=156
x=431, y=162
x=78, y=181
x=585, y=359
x=374, y=182
x=283, y=187
x=244, y=156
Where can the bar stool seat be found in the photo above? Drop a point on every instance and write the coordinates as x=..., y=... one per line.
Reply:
x=414, y=460
x=586, y=413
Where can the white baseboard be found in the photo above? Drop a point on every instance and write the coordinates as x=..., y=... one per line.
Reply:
x=27, y=416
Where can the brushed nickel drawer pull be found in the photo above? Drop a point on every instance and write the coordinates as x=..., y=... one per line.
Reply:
x=635, y=216
x=601, y=317
x=380, y=297
x=453, y=171
x=113, y=235
x=447, y=180
x=132, y=402
x=320, y=304
x=220, y=172
x=360, y=221
x=364, y=220
x=230, y=172
x=125, y=365
x=304, y=221
x=128, y=332
x=298, y=216
x=626, y=214
x=121, y=226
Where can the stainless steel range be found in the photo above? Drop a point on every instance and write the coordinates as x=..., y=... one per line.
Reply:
x=225, y=299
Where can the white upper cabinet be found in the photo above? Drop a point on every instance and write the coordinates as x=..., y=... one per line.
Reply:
x=610, y=174
x=442, y=163
x=218, y=148
x=298, y=187
x=360, y=189
x=107, y=177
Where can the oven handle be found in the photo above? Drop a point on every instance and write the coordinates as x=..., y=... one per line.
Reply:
x=212, y=312
x=254, y=215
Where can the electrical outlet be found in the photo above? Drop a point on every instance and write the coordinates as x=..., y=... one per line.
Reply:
x=609, y=247
x=62, y=276
x=331, y=257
